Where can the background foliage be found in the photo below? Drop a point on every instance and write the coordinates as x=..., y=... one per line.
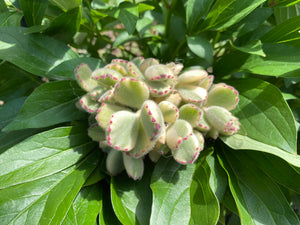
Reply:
x=52, y=173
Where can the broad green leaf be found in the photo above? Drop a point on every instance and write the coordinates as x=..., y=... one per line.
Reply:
x=51, y=103
x=251, y=22
x=280, y=60
x=204, y=203
x=201, y=47
x=258, y=198
x=65, y=70
x=284, y=32
x=42, y=53
x=226, y=13
x=282, y=14
x=131, y=199
x=265, y=115
x=276, y=168
x=40, y=177
x=195, y=11
x=33, y=11
x=12, y=19
x=11, y=138
x=171, y=192
x=66, y=5
x=280, y=3
x=65, y=25
x=129, y=15
x=253, y=47
x=241, y=142
x=86, y=206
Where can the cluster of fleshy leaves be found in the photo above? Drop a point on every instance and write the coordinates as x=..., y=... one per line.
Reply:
x=141, y=106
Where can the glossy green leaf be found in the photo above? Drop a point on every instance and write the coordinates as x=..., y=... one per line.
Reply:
x=65, y=25
x=51, y=103
x=33, y=11
x=86, y=206
x=253, y=47
x=33, y=191
x=276, y=168
x=131, y=199
x=171, y=192
x=265, y=115
x=280, y=60
x=204, y=203
x=42, y=53
x=226, y=13
x=201, y=47
x=195, y=11
x=284, y=32
x=65, y=70
x=258, y=198
x=66, y=4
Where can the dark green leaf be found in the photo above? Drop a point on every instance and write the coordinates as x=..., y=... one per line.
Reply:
x=3, y=7
x=282, y=14
x=128, y=16
x=65, y=25
x=66, y=4
x=226, y=13
x=10, y=19
x=33, y=11
x=171, y=192
x=253, y=47
x=201, y=47
x=65, y=70
x=131, y=199
x=86, y=206
x=42, y=53
x=195, y=11
x=40, y=177
x=204, y=203
x=279, y=3
x=265, y=115
x=281, y=60
x=284, y=32
x=258, y=198
x=51, y=103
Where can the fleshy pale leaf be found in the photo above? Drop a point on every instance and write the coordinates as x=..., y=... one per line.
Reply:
x=96, y=133
x=190, y=113
x=134, y=167
x=106, y=77
x=131, y=92
x=192, y=93
x=169, y=111
x=222, y=95
x=122, y=130
x=88, y=104
x=191, y=77
x=114, y=162
x=83, y=75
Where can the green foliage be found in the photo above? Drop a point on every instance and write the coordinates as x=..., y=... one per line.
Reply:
x=52, y=172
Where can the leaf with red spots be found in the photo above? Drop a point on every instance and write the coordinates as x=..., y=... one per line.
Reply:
x=192, y=93
x=107, y=77
x=83, y=75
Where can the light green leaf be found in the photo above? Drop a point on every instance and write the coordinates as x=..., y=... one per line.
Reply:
x=258, y=198
x=33, y=11
x=279, y=3
x=195, y=11
x=226, y=13
x=171, y=192
x=86, y=206
x=129, y=15
x=265, y=115
x=42, y=53
x=51, y=103
x=281, y=60
x=33, y=191
x=132, y=199
x=66, y=5
x=253, y=47
x=284, y=32
x=201, y=47
x=204, y=203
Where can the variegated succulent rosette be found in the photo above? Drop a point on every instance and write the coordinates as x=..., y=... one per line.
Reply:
x=142, y=107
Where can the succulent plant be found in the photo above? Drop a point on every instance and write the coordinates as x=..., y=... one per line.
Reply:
x=141, y=106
